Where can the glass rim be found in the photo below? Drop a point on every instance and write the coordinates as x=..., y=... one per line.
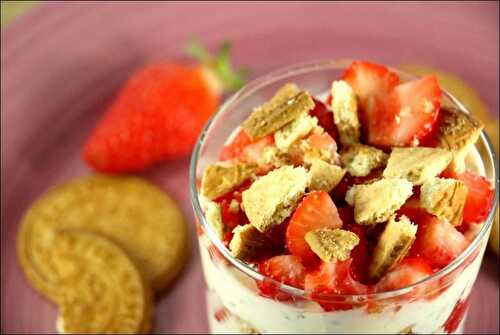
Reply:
x=248, y=270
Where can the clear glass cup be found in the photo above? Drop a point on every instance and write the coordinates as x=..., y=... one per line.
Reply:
x=436, y=304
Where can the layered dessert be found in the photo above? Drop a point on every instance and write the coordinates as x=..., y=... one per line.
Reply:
x=344, y=214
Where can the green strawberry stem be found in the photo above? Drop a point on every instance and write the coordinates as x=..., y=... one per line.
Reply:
x=220, y=64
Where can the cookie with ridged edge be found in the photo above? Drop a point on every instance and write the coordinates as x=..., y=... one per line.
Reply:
x=248, y=242
x=417, y=164
x=458, y=132
x=101, y=289
x=331, y=244
x=444, y=198
x=131, y=212
x=284, y=107
x=392, y=246
x=220, y=178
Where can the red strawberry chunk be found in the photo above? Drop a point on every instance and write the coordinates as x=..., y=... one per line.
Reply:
x=286, y=269
x=276, y=234
x=244, y=149
x=253, y=152
x=346, y=214
x=409, y=271
x=370, y=80
x=406, y=115
x=222, y=314
x=360, y=254
x=333, y=278
x=316, y=210
x=479, y=198
x=415, y=212
x=325, y=119
x=234, y=149
x=323, y=142
x=231, y=217
x=439, y=242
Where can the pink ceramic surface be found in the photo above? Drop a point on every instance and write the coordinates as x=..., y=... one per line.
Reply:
x=62, y=63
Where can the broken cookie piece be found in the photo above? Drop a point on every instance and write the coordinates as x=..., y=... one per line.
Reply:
x=359, y=159
x=393, y=245
x=248, y=242
x=332, y=244
x=295, y=130
x=376, y=202
x=220, y=178
x=273, y=197
x=417, y=164
x=458, y=132
x=324, y=176
x=274, y=157
x=213, y=215
x=345, y=112
x=287, y=105
x=444, y=198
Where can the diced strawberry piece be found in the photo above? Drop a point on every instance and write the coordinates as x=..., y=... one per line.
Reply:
x=479, y=198
x=222, y=314
x=346, y=214
x=253, y=152
x=360, y=254
x=432, y=139
x=230, y=217
x=411, y=111
x=370, y=80
x=392, y=114
x=415, y=212
x=244, y=149
x=325, y=119
x=323, y=142
x=286, y=269
x=457, y=315
x=333, y=278
x=277, y=234
x=439, y=242
x=409, y=271
x=235, y=148
x=406, y=115
x=315, y=211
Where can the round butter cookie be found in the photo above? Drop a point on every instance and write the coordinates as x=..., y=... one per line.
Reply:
x=101, y=290
x=131, y=212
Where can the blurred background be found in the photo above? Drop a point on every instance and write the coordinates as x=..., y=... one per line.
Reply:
x=65, y=61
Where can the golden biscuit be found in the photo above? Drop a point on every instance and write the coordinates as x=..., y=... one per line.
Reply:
x=129, y=211
x=102, y=291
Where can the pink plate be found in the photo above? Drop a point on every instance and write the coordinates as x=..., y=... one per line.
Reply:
x=62, y=63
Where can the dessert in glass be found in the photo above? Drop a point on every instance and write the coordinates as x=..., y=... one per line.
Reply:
x=342, y=197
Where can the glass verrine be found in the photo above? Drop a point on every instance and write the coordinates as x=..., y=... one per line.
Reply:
x=437, y=303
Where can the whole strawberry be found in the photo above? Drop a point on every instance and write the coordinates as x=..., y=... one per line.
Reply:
x=160, y=111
